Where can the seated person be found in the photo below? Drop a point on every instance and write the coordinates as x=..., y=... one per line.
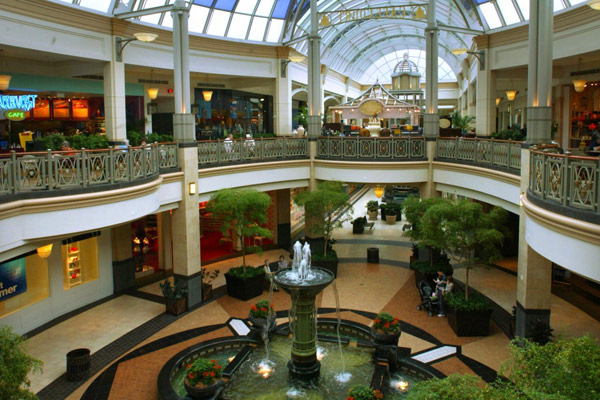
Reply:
x=594, y=144
x=65, y=146
x=228, y=143
x=269, y=275
x=249, y=143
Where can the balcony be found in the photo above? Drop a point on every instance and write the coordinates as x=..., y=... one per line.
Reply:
x=504, y=155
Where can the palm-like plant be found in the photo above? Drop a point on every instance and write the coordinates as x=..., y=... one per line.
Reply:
x=464, y=123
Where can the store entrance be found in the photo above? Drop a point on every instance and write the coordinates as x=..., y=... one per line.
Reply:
x=146, y=249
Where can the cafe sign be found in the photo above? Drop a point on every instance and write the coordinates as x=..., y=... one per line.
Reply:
x=15, y=115
x=20, y=102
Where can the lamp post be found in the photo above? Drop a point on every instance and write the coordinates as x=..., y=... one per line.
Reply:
x=120, y=43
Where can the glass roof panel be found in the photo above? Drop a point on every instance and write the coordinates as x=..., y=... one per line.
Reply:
x=264, y=8
x=168, y=21
x=558, y=5
x=197, y=20
x=152, y=18
x=508, y=11
x=246, y=6
x=206, y=3
x=575, y=2
x=239, y=26
x=383, y=67
x=281, y=8
x=275, y=30
x=98, y=5
x=524, y=7
x=491, y=15
x=218, y=23
x=257, y=31
x=226, y=5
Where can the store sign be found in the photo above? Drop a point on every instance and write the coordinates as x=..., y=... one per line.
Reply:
x=15, y=115
x=408, y=12
x=13, y=280
x=22, y=102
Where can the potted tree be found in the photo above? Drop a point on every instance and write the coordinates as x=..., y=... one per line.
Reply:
x=16, y=366
x=392, y=211
x=472, y=237
x=242, y=213
x=358, y=225
x=174, y=295
x=372, y=209
x=207, y=278
x=327, y=208
x=414, y=209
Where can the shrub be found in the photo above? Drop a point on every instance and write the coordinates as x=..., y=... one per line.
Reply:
x=427, y=268
x=362, y=392
x=203, y=371
x=172, y=291
x=261, y=309
x=458, y=301
x=454, y=387
x=15, y=366
x=385, y=323
x=372, y=205
x=245, y=272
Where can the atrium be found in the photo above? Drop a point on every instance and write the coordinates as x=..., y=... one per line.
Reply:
x=121, y=121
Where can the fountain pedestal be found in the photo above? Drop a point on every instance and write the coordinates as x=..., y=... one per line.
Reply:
x=303, y=364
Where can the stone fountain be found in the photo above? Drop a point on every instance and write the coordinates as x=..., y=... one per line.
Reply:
x=303, y=283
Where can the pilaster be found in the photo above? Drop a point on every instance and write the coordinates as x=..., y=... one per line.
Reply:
x=114, y=101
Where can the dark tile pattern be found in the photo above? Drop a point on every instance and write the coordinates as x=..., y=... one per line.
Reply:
x=486, y=373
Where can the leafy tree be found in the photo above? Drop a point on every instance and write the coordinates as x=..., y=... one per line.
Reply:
x=322, y=204
x=242, y=213
x=454, y=387
x=464, y=123
x=461, y=229
x=15, y=365
x=414, y=209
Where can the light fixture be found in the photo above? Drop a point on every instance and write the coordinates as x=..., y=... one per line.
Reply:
x=579, y=84
x=498, y=100
x=120, y=43
x=379, y=191
x=192, y=188
x=479, y=54
x=510, y=94
x=595, y=4
x=152, y=108
x=152, y=91
x=459, y=51
x=4, y=78
x=207, y=94
x=291, y=58
x=45, y=251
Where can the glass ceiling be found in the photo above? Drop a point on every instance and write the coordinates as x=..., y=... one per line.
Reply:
x=348, y=48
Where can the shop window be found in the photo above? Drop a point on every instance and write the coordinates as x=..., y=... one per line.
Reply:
x=23, y=282
x=80, y=262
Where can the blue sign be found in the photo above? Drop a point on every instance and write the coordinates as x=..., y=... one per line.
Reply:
x=13, y=280
x=23, y=102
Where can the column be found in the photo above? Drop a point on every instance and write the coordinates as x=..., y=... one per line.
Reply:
x=147, y=116
x=314, y=76
x=283, y=98
x=165, y=246
x=123, y=263
x=431, y=118
x=564, y=128
x=114, y=101
x=485, y=107
x=346, y=90
x=284, y=227
x=186, y=219
x=539, y=73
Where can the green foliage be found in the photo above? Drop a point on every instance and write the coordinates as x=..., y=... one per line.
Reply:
x=203, y=370
x=157, y=137
x=302, y=116
x=433, y=268
x=414, y=209
x=134, y=138
x=246, y=271
x=476, y=302
x=464, y=123
x=331, y=255
x=460, y=228
x=242, y=213
x=261, y=309
x=454, y=387
x=363, y=392
x=540, y=332
x=386, y=323
x=392, y=208
x=359, y=223
x=172, y=291
x=208, y=276
x=508, y=134
x=88, y=142
x=372, y=205
x=15, y=365
x=565, y=369
x=321, y=205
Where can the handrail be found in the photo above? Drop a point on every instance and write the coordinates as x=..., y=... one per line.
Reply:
x=219, y=152
x=393, y=148
x=52, y=170
x=485, y=152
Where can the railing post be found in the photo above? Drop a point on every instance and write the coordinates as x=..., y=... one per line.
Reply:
x=284, y=148
x=131, y=159
x=456, y=148
x=14, y=175
x=83, y=168
x=111, y=160
x=476, y=150
x=262, y=148
x=566, y=178
x=50, y=176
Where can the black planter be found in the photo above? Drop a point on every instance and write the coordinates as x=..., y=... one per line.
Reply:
x=385, y=339
x=244, y=289
x=429, y=278
x=176, y=306
x=206, y=292
x=204, y=393
x=329, y=265
x=259, y=323
x=358, y=228
x=469, y=323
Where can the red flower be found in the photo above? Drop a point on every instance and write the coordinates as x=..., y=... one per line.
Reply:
x=396, y=320
x=205, y=373
x=191, y=376
x=253, y=307
x=212, y=373
x=378, y=394
x=592, y=126
x=387, y=324
x=376, y=320
x=218, y=367
x=214, y=361
x=189, y=366
x=263, y=309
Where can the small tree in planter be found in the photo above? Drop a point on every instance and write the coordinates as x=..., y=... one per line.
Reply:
x=392, y=211
x=174, y=295
x=372, y=209
x=15, y=366
x=242, y=213
x=414, y=209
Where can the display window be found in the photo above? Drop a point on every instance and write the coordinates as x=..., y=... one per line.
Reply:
x=23, y=282
x=80, y=262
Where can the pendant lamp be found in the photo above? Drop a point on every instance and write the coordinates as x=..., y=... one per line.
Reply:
x=4, y=78
x=510, y=94
x=207, y=94
x=152, y=91
x=579, y=84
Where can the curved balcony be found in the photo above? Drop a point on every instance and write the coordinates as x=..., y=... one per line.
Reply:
x=42, y=174
x=402, y=148
x=504, y=155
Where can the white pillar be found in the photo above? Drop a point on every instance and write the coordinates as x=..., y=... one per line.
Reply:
x=565, y=127
x=283, y=100
x=147, y=116
x=431, y=118
x=314, y=75
x=114, y=101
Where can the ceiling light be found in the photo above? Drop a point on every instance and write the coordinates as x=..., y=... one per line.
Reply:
x=595, y=4
x=510, y=94
x=579, y=84
x=296, y=58
x=460, y=51
x=498, y=99
x=45, y=251
x=145, y=36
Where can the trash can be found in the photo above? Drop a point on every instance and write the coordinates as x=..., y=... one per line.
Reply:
x=78, y=364
x=373, y=255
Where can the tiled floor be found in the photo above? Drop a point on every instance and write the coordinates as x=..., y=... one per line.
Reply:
x=387, y=286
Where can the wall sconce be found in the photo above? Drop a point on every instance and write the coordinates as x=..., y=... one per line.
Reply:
x=480, y=55
x=4, y=77
x=45, y=251
x=379, y=191
x=152, y=108
x=292, y=58
x=498, y=100
x=510, y=94
x=192, y=188
x=152, y=91
x=594, y=4
x=120, y=43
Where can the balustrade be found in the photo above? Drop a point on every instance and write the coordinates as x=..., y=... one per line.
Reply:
x=372, y=148
x=485, y=152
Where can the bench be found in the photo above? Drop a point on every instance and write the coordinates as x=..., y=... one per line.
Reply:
x=370, y=225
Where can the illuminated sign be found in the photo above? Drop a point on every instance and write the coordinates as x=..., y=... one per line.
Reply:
x=15, y=115
x=409, y=11
x=23, y=102
x=13, y=279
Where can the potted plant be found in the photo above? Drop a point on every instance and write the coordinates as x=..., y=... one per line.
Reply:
x=261, y=314
x=203, y=378
x=425, y=271
x=392, y=210
x=414, y=209
x=174, y=295
x=386, y=329
x=242, y=213
x=207, y=278
x=326, y=208
x=472, y=237
x=372, y=209
x=17, y=365
x=363, y=392
x=358, y=225
x=463, y=123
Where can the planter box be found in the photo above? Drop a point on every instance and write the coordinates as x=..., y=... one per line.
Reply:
x=469, y=323
x=176, y=306
x=244, y=289
x=390, y=219
x=329, y=265
x=372, y=215
x=429, y=278
x=206, y=292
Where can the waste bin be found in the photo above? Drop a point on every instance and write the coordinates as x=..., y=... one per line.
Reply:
x=373, y=255
x=78, y=364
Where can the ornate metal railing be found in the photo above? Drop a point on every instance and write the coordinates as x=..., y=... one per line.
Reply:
x=218, y=152
x=486, y=152
x=566, y=180
x=372, y=148
x=52, y=170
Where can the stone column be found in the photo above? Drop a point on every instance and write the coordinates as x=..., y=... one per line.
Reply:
x=165, y=247
x=564, y=128
x=284, y=228
x=485, y=107
x=431, y=118
x=283, y=94
x=539, y=73
x=147, y=116
x=114, y=101
x=314, y=75
x=186, y=218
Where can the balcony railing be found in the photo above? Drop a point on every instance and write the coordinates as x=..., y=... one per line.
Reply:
x=47, y=171
x=372, y=148
x=565, y=180
x=220, y=152
x=483, y=152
